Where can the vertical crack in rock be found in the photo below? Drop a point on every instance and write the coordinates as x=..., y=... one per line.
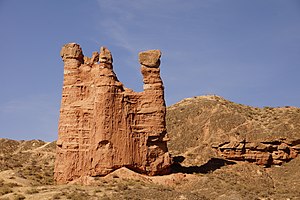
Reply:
x=103, y=125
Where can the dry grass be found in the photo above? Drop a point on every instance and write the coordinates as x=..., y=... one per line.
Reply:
x=196, y=123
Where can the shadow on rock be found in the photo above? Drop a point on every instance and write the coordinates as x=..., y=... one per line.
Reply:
x=212, y=165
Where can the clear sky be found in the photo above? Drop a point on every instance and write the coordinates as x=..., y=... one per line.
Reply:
x=246, y=51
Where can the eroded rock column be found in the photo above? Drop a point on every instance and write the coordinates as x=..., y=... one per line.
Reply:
x=103, y=125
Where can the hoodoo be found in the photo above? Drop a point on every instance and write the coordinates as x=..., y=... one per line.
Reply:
x=103, y=125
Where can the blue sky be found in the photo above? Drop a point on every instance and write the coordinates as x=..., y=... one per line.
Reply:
x=245, y=51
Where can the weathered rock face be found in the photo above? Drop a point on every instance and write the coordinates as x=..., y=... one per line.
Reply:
x=262, y=153
x=104, y=126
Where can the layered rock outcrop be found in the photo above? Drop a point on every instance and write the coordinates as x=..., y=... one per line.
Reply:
x=103, y=125
x=206, y=127
x=274, y=152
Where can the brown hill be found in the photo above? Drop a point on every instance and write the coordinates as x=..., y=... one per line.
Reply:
x=204, y=127
x=198, y=128
x=31, y=160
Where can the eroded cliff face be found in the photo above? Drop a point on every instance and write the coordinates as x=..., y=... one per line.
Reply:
x=103, y=125
x=272, y=152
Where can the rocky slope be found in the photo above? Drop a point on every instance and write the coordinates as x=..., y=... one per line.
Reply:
x=32, y=161
x=204, y=127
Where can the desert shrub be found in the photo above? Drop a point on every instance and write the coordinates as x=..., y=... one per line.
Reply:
x=56, y=196
x=32, y=191
x=11, y=185
x=133, y=183
x=19, y=197
x=5, y=190
x=75, y=195
x=97, y=190
x=122, y=187
x=105, y=197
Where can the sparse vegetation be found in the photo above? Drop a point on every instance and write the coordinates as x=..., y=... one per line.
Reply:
x=5, y=190
x=57, y=196
x=78, y=195
x=32, y=191
x=19, y=197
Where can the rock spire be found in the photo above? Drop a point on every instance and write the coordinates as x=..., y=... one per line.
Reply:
x=103, y=125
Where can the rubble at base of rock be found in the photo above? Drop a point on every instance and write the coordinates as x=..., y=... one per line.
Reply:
x=104, y=126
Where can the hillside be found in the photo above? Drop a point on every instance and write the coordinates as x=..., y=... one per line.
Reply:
x=211, y=139
x=204, y=127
